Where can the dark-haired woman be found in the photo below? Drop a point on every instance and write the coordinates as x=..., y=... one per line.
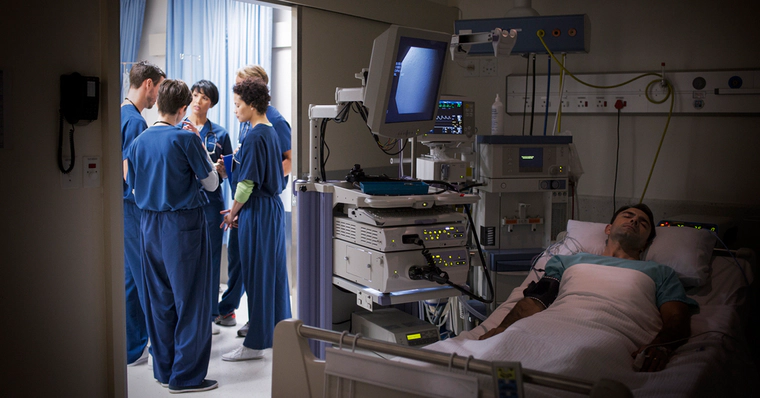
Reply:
x=261, y=221
x=217, y=142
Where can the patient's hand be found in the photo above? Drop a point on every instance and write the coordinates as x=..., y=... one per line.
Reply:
x=655, y=358
x=492, y=332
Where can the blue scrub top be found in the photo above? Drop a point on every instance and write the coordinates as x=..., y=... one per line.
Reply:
x=132, y=124
x=281, y=127
x=217, y=142
x=260, y=159
x=165, y=163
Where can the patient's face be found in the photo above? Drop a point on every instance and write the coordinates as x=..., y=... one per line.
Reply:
x=631, y=229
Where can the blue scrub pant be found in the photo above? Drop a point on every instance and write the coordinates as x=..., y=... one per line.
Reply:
x=231, y=297
x=137, y=331
x=176, y=276
x=213, y=220
x=263, y=268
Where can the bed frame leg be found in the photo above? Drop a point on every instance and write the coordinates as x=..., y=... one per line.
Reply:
x=296, y=372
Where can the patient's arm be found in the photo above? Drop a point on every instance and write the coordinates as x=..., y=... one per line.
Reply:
x=676, y=325
x=523, y=309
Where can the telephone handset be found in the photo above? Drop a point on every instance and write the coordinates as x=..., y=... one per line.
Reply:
x=80, y=97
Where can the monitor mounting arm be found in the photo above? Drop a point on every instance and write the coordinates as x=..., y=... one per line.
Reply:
x=319, y=112
x=502, y=40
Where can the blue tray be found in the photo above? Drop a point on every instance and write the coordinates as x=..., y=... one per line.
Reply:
x=394, y=187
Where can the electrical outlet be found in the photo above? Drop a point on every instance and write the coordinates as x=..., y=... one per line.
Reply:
x=72, y=180
x=471, y=68
x=489, y=66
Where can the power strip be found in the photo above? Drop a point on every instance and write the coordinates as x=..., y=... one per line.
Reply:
x=697, y=92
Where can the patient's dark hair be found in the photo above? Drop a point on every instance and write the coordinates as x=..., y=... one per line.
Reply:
x=646, y=211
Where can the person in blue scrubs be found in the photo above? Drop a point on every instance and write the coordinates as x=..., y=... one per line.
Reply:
x=259, y=213
x=231, y=297
x=217, y=143
x=165, y=165
x=629, y=233
x=144, y=79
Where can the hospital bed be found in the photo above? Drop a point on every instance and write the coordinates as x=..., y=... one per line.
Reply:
x=579, y=346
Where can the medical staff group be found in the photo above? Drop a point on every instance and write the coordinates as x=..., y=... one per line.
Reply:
x=174, y=218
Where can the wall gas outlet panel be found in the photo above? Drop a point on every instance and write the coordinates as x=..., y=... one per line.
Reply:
x=696, y=93
x=563, y=33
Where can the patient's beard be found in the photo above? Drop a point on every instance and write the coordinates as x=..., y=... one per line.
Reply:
x=630, y=242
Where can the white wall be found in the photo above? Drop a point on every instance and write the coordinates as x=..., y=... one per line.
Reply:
x=62, y=250
x=333, y=45
x=706, y=159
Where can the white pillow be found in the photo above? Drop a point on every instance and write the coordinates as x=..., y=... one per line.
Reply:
x=584, y=236
x=687, y=250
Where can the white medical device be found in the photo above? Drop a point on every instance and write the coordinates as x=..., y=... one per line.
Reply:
x=525, y=203
x=526, y=190
x=454, y=131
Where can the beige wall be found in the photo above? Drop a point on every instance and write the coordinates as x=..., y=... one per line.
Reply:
x=333, y=46
x=61, y=249
x=706, y=159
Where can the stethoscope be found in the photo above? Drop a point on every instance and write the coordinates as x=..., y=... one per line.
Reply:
x=210, y=141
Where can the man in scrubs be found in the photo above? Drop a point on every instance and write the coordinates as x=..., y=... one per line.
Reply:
x=166, y=164
x=144, y=79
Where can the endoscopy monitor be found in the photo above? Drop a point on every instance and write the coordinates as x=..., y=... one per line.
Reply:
x=404, y=81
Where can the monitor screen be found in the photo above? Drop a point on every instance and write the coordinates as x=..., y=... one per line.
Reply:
x=404, y=81
x=531, y=160
x=449, y=118
x=416, y=78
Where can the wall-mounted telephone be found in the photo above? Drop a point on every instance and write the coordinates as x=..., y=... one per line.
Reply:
x=80, y=97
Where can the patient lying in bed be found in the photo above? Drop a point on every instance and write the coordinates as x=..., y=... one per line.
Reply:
x=630, y=231
x=592, y=314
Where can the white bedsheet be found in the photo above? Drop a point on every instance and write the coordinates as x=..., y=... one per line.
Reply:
x=601, y=315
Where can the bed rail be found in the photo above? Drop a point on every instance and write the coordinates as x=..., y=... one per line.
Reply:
x=297, y=372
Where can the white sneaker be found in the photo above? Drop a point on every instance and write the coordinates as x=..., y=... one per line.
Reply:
x=215, y=329
x=243, y=353
x=143, y=358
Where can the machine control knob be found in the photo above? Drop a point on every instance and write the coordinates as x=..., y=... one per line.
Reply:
x=555, y=184
x=544, y=184
x=554, y=170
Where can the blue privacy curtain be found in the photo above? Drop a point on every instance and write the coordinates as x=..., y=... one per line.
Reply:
x=212, y=39
x=130, y=28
